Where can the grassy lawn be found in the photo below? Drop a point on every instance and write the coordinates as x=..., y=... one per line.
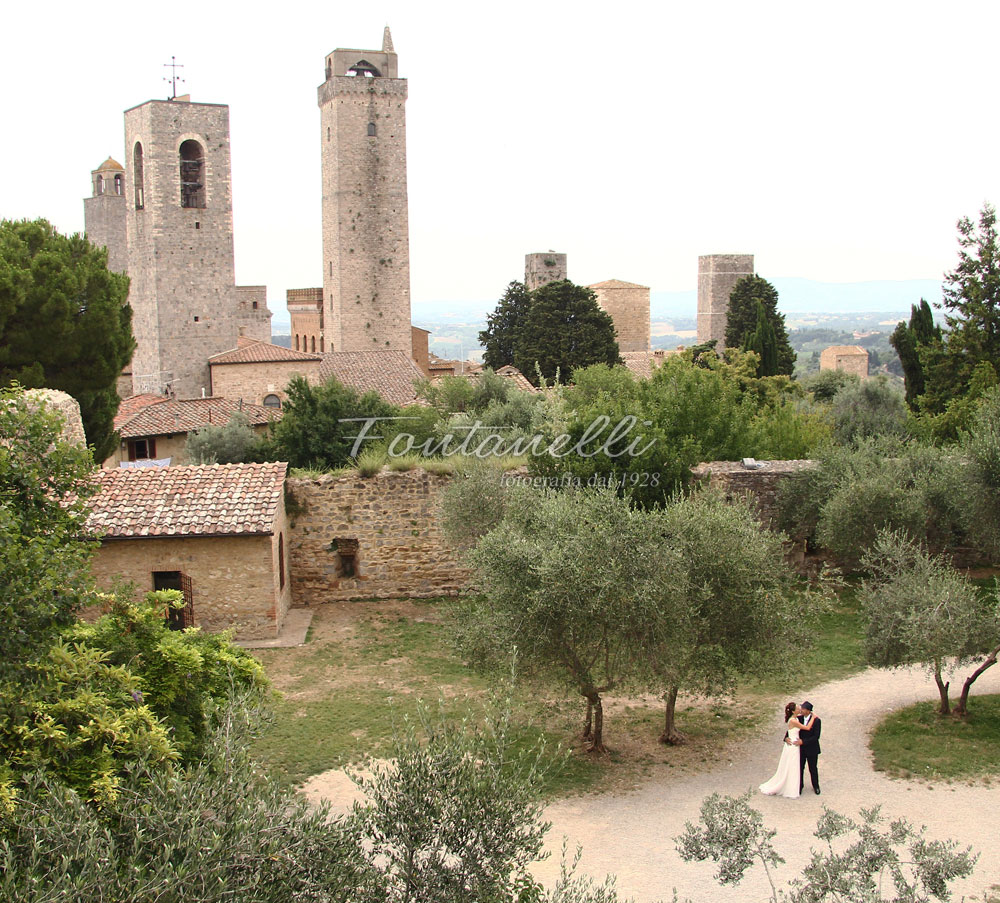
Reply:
x=917, y=743
x=368, y=665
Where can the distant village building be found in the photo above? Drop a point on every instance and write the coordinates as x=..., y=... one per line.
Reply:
x=849, y=358
x=154, y=428
x=717, y=277
x=628, y=306
x=217, y=533
x=258, y=372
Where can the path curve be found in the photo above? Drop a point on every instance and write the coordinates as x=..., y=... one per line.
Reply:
x=630, y=834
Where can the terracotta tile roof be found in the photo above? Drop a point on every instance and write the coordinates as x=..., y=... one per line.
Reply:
x=517, y=377
x=169, y=416
x=251, y=352
x=640, y=363
x=390, y=373
x=616, y=283
x=198, y=500
x=133, y=404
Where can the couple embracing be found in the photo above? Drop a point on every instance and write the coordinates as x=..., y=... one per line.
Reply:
x=801, y=749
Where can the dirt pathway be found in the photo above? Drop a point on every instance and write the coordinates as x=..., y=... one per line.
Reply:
x=631, y=834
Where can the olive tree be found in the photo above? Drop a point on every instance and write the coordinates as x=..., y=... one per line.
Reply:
x=740, y=613
x=919, y=610
x=574, y=582
x=862, y=859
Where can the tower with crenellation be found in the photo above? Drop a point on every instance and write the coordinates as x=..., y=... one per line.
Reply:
x=366, y=254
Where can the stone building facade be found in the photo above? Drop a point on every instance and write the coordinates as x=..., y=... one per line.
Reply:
x=376, y=537
x=219, y=533
x=171, y=230
x=104, y=213
x=849, y=358
x=541, y=268
x=305, y=311
x=259, y=372
x=628, y=305
x=366, y=255
x=717, y=275
x=760, y=481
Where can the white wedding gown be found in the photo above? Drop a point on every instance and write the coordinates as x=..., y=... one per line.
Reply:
x=786, y=779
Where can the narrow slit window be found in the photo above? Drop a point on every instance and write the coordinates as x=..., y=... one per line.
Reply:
x=137, y=175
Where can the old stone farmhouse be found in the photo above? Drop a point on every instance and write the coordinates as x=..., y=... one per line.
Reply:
x=154, y=428
x=216, y=532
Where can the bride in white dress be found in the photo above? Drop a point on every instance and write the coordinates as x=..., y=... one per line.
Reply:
x=786, y=779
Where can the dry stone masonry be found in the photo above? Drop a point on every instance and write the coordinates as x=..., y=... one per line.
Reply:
x=717, y=275
x=375, y=537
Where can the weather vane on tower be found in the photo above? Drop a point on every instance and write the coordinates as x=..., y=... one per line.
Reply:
x=173, y=78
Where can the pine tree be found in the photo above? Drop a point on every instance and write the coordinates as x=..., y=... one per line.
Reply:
x=564, y=329
x=909, y=340
x=741, y=320
x=764, y=342
x=500, y=335
x=64, y=321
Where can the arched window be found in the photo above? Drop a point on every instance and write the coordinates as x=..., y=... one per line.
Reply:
x=137, y=175
x=371, y=129
x=296, y=341
x=321, y=344
x=192, y=165
x=314, y=343
x=118, y=183
x=272, y=401
x=99, y=185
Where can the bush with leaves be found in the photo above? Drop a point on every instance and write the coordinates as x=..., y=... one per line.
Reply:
x=862, y=860
x=871, y=407
x=123, y=690
x=919, y=610
x=825, y=384
x=855, y=491
x=44, y=550
x=232, y=443
x=214, y=832
x=455, y=818
x=319, y=424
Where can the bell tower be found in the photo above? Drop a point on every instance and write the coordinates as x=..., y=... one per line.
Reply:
x=366, y=247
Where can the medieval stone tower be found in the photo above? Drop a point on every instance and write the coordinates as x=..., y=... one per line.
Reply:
x=104, y=213
x=179, y=227
x=542, y=268
x=366, y=247
x=717, y=275
x=628, y=305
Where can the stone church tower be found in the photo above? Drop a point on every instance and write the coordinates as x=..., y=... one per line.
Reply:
x=179, y=230
x=104, y=213
x=366, y=248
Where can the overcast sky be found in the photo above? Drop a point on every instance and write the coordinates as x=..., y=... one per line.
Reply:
x=837, y=142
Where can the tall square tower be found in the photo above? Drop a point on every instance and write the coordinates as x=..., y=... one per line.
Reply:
x=366, y=245
x=717, y=276
x=179, y=233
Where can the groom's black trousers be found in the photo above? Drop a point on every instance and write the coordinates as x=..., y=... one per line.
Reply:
x=808, y=756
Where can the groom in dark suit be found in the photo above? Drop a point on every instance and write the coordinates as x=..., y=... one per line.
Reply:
x=808, y=742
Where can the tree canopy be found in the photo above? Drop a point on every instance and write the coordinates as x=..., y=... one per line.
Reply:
x=64, y=321
x=745, y=329
x=559, y=327
x=909, y=340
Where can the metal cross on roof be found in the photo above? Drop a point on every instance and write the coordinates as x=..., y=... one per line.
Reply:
x=173, y=78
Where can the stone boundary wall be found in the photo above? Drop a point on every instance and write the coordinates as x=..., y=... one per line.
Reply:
x=389, y=524
x=762, y=483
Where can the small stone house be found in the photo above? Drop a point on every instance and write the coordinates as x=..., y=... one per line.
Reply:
x=218, y=533
x=154, y=428
x=258, y=372
x=849, y=358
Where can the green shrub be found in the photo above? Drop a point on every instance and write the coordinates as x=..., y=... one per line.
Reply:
x=232, y=443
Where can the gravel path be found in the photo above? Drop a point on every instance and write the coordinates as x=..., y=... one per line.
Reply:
x=631, y=834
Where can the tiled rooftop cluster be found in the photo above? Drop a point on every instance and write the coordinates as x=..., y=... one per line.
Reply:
x=155, y=415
